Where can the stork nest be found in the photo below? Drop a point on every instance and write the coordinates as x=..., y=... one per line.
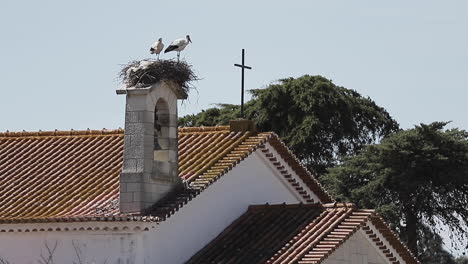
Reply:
x=147, y=72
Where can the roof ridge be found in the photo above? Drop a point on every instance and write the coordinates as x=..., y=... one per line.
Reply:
x=392, y=238
x=307, y=177
x=341, y=205
x=203, y=129
x=103, y=131
x=255, y=207
x=56, y=132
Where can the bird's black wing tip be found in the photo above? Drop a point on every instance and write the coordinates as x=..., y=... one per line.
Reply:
x=170, y=48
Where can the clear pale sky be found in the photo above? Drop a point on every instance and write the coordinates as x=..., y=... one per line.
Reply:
x=59, y=60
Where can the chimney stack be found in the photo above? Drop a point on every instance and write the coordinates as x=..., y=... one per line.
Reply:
x=150, y=160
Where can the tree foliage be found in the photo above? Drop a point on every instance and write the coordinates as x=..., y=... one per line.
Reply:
x=431, y=248
x=415, y=177
x=318, y=120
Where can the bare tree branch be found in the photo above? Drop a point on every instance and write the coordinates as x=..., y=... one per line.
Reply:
x=77, y=252
x=50, y=251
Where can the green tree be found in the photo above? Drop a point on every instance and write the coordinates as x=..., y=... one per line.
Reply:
x=318, y=120
x=431, y=248
x=219, y=115
x=415, y=177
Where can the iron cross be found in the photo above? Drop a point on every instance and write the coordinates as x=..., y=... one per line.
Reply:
x=243, y=66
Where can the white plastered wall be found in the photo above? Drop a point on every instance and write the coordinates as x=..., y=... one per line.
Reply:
x=356, y=250
x=119, y=243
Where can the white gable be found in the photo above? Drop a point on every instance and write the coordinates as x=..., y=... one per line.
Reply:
x=285, y=167
x=356, y=250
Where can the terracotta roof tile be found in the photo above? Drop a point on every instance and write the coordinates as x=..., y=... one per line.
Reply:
x=58, y=174
x=75, y=174
x=258, y=234
x=295, y=234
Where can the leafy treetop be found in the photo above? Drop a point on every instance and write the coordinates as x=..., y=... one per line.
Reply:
x=416, y=178
x=318, y=120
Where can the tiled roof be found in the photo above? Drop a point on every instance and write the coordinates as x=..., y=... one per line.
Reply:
x=74, y=175
x=58, y=174
x=296, y=234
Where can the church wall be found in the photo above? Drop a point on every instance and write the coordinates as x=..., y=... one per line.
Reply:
x=356, y=250
x=207, y=215
x=71, y=247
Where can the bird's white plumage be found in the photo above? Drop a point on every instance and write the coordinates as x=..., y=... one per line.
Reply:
x=144, y=64
x=179, y=44
x=157, y=47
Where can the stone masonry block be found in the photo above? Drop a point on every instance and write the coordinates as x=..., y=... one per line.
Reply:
x=138, y=103
x=173, y=132
x=163, y=143
x=172, y=155
x=135, y=140
x=164, y=132
x=148, y=141
x=139, y=129
x=127, y=141
x=147, y=164
x=140, y=140
x=131, y=207
x=134, y=187
x=134, y=152
x=123, y=187
x=160, y=90
x=131, y=177
x=141, y=165
x=139, y=117
x=161, y=167
x=159, y=175
x=173, y=144
x=129, y=165
x=126, y=197
x=161, y=155
x=148, y=152
x=147, y=178
x=138, y=197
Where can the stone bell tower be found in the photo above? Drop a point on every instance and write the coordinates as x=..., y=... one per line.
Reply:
x=150, y=157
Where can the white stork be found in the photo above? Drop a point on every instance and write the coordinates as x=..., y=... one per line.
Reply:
x=178, y=45
x=157, y=47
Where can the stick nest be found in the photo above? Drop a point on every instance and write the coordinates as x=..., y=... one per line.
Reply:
x=147, y=72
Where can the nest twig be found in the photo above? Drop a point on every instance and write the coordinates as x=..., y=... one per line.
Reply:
x=147, y=72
